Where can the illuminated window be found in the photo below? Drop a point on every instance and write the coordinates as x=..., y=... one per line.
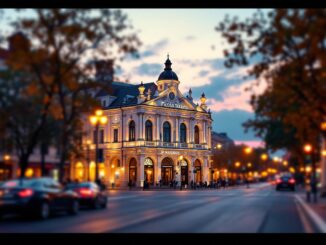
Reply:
x=183, y=133
x=196, y=134
x=166, y=132
x=148, y=162
x=115, y=135
x=132, y=131
x=148, y=131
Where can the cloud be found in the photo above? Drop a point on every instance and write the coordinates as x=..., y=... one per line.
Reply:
x=149, y=69
x=190, y=38
x=151, y=50
x=230, y=122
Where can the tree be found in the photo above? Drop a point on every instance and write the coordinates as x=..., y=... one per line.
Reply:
x=289, y=48
x=62, y=44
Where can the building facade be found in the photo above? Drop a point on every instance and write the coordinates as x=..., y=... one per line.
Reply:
x=153, y=133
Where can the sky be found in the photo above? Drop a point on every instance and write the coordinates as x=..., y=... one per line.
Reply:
x=196, y=52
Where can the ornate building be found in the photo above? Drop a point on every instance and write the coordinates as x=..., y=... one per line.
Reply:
x=153, y=133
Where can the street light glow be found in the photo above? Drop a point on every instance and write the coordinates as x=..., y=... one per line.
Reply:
x=103, y=120
x=6, y=157
x=264, y=156
x=93, y=120
x=99, y=113
x=248, y=150
x=307, y=148
x=285, y=163
x=323, y=153
x=218, y=146
x=237, y=164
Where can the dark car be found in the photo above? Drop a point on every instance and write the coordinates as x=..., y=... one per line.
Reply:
x=90, y=194
x=285, y=181
x=38, y=197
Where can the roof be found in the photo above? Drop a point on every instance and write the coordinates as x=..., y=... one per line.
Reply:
x=168, y=74
x=126, y=93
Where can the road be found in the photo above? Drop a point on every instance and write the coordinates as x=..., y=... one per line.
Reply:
x=258, y=209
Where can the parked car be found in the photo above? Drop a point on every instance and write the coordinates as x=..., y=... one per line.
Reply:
x=38, y=197
x=285, y=181
x=90, y=194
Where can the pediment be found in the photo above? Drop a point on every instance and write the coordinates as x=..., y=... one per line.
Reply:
x=172, y=98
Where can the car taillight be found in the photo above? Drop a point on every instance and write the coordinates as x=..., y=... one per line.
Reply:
x=278, y=181
x=85, y=192
x=292, y=181
x=25, y=193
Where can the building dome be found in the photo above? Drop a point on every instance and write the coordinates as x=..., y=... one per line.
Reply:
x=168, y=74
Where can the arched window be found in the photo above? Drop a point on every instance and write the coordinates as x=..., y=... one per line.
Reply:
x=183, y=133
x=196, y=134
x=132, y=130
x=166, y=132
x=148, y=130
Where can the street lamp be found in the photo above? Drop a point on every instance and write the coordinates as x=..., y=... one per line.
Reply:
x=308, y=149
x=96, y=120
x=219, y=146
x=88, y=143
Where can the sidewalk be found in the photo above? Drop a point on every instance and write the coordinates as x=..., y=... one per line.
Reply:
x=316, y=211
x=167, y=188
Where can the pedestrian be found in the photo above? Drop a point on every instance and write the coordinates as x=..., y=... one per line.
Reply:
x=160, y=183
x=130, y=184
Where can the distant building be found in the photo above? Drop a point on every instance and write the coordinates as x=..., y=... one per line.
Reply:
x=221, y=141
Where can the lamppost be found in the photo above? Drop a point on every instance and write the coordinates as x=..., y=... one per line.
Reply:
x=180, y=160
x=248, y=151
x=88, y=143
x=96, y=120
x=309, y=150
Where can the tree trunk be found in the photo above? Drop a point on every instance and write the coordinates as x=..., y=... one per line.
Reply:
x=63, y=156
x=43, y=159
x=23, y=163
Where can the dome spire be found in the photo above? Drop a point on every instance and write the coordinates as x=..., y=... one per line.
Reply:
x=168, y=63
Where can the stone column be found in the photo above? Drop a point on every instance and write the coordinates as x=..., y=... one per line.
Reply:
x=204, y=132
x=109, y=131
x=123, y=176
x=177, y=129
x=158, y=127
x=142, y=127
x=205, y=170
x=192, y=131
x=209, y=137
x=139, y=125
x=158, y=169
x=141, y=170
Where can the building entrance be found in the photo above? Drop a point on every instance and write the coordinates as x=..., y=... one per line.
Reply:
x=167, y=171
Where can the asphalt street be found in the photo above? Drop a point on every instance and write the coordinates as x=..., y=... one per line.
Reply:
x=258, y=209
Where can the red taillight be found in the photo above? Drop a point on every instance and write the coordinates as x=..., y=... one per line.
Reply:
x=25, y=193
x=278, y=181
x=85, y=192
x=292, y=181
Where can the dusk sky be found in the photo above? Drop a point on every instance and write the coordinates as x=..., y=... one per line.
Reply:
x=196, y=51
